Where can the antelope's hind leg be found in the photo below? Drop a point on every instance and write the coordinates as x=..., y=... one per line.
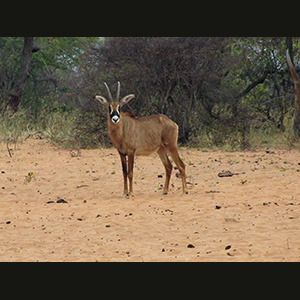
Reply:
x=124, y=168
x=181, y=167
x=168, y=166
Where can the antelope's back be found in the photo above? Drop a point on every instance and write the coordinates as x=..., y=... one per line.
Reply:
x=154, y=131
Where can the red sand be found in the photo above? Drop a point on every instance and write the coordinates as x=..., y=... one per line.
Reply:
x=247, y=217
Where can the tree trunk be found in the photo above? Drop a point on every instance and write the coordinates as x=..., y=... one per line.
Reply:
x=295, y=77
x=23, y=75
x=289, y=46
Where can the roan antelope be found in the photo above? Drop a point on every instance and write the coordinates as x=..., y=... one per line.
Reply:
x=131, y=136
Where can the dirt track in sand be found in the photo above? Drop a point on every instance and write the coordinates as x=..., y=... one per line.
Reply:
x=253, y=216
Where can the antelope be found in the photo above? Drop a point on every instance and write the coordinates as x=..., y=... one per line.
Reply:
x=132, y=135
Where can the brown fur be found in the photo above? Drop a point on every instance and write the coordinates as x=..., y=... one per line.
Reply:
x=143, y=136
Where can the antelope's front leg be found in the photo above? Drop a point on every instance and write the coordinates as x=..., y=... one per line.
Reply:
x=130, y=173
x=124, y=168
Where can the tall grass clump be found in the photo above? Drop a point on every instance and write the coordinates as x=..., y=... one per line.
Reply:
x=64, y=127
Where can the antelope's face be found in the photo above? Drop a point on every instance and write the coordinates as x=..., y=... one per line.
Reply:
x=114, y=112
x=114, y=108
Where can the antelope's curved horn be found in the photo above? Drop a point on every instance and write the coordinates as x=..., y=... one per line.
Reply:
x=109, y=93
x=118, y=91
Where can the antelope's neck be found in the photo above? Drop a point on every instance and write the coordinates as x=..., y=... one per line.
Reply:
x=115, y=132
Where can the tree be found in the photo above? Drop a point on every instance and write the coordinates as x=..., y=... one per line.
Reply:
x=23, y=74
x=296, y=123
x=36, y=79
x=177, y=76
x=264, y=77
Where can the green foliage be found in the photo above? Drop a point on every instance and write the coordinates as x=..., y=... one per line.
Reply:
x=231, y=93
x=60, y=52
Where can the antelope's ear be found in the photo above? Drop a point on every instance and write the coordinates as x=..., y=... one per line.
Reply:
x=126, y=99
x=102, y=100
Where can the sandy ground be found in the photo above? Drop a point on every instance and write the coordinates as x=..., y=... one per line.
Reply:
x=252, y=216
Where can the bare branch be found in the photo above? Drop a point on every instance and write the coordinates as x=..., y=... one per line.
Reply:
x=254, y=84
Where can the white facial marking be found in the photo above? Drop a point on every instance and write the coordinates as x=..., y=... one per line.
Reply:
x=115, y=119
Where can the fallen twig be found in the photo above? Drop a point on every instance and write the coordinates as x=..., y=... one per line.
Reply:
x=9, y=153
x=32, y=134
x=228, y=174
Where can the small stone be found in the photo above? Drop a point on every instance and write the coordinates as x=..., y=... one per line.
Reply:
x=61, y=201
